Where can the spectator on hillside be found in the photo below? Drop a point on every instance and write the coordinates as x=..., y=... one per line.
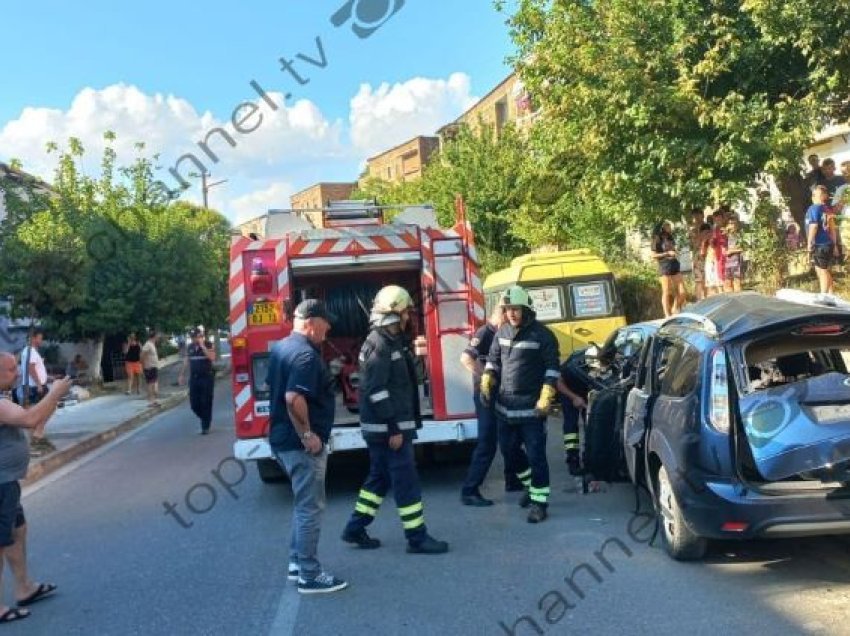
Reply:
x=821, y=239
x=733, y=256
x=841, y=198
x=814, y=177
x=831, y=180
x=792, y=236
x=715, y=266
x=669, y=270
x=698, y=232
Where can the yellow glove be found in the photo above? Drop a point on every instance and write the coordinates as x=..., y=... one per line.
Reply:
x=547, y=394
x=487, y=382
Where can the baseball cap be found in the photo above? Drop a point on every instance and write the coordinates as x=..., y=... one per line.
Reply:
x=313, y=308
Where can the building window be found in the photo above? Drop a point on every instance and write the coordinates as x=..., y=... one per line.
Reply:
x=501, y=114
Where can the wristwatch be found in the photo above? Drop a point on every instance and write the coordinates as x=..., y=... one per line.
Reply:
x=306, y=435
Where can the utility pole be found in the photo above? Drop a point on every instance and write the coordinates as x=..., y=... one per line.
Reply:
x=206, y=187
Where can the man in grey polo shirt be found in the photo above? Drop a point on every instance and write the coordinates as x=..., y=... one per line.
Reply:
x=14, y=461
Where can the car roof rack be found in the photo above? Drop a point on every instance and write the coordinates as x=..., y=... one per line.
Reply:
x=704, y=322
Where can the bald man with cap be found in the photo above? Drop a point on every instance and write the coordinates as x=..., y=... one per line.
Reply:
x=14, y=461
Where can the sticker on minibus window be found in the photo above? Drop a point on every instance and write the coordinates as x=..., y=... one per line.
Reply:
x=547, y=303
x=590, y=299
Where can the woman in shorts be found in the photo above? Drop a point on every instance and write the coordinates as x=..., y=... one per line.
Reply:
x=669, y=270
x=133, y=363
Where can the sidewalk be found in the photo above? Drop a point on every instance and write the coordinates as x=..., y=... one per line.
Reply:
x=81, y=428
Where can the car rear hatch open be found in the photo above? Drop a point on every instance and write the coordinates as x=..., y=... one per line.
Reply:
x=794, y=399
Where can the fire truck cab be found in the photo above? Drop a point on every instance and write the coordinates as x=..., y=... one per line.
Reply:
x=344, y=262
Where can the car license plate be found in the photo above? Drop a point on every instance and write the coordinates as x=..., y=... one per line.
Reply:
x=264, y=313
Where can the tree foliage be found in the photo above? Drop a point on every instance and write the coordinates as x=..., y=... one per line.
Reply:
x=652, y=107
x=488, y=172
x=103, y=256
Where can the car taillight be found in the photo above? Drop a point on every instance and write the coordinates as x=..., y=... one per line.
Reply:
x=239, y=359
x=718, y=395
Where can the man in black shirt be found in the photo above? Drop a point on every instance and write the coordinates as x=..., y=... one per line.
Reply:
x=199, y=361
x=302, y=415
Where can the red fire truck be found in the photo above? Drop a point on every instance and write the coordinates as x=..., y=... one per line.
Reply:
x=345, y=261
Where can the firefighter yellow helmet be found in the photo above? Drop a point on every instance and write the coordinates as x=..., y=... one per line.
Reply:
x=388, y=305
x=516, y=296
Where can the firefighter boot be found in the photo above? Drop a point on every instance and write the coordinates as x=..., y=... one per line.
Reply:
x=537, y=513
x=428, y=545
x=573, y=463
x=525, y=501
x=361, y=539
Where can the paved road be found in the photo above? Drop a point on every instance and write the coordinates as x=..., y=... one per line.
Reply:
x=125, y=566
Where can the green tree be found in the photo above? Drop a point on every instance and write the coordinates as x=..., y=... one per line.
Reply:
x=106, y=256
x=489, y=173
x=658, y=106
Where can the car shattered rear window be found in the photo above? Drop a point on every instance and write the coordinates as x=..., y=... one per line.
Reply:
x=794, y=356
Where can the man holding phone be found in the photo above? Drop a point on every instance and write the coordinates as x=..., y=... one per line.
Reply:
x=302, y=414
x=14, y=461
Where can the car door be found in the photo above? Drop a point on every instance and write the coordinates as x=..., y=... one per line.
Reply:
x=638, y=404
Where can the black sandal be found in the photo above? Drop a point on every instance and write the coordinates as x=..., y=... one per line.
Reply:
x=42, y=591
x=14, y=614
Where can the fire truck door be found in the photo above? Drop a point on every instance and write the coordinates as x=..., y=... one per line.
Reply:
x=448, y=323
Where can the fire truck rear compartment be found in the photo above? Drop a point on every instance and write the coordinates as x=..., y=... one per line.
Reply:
x=348, y=293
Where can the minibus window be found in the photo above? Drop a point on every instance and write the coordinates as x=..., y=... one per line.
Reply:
x=591, y=299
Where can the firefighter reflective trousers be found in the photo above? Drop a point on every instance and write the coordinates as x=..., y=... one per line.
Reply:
x=571, y=415
x=201, y=398
x=490, y=435
x=396, y=470
x=536, y=477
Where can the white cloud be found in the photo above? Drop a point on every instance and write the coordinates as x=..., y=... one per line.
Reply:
x=293, y=146
x=389, y=115
x=258, y=202
x=171, y=126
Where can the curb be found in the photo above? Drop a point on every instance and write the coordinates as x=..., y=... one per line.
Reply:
x=65, y=456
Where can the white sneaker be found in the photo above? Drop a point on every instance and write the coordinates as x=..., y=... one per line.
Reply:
x=294, y=572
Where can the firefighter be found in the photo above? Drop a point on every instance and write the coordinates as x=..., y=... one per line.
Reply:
x=474, y=357
x=523, y=360
x=389, y=417
x=574, y=390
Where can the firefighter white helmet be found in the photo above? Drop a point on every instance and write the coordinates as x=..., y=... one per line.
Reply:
x=389, y=303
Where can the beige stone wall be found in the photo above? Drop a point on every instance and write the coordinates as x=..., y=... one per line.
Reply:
x=404, y=162
x=316, y=196
x=256, y=226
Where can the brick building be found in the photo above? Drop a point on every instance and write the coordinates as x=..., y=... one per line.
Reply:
x=405, y=162
x=508, y=103
x=315, y=197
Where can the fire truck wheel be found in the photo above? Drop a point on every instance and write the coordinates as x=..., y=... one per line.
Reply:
x=271, y=472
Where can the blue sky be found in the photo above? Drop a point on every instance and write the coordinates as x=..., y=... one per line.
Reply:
x=168, y=71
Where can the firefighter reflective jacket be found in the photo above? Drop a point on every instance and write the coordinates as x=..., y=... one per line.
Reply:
x=388, y=391
x=523, y=358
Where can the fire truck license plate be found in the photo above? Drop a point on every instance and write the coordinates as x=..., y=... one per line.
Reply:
x=263, y=313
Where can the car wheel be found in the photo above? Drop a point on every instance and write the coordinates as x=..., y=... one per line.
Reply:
x=270, y=471
x=680, y=541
